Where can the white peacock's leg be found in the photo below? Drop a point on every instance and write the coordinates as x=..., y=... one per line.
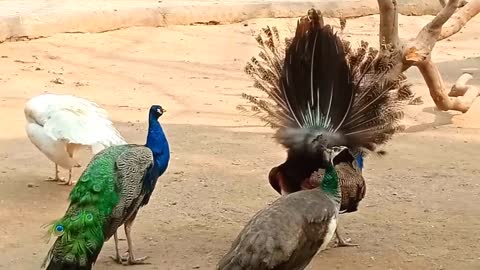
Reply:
x=57, y=178
x=69, y=182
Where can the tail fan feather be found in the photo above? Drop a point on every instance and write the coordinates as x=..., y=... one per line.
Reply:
x=321, y=92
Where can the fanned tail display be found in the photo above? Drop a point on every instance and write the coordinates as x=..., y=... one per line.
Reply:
x=322, y=93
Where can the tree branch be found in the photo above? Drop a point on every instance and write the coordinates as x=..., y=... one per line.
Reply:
x=437, y=90
x=417, y=52
x=388, y=22
x=460, y=18
x=461, y=87
x=434, y=28
x=461, y=4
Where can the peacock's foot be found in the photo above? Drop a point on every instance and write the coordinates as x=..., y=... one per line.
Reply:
x=56, y=179
x=77, y=165
x=117, y=259
x=132, y=261
x=129, y=259
x=70, y=183
x=345, y=243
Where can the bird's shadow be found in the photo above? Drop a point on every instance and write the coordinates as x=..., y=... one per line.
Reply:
x=441, y=118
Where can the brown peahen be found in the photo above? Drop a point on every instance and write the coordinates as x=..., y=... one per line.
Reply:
x=357, y=106
x=287, y=234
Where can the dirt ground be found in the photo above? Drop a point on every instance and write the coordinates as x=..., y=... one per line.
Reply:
x=422, y=206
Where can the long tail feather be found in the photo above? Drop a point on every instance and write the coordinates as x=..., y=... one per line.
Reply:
x=81, y=231
x=321, y=92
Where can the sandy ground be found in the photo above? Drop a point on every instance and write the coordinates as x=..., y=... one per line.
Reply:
x=421, y=210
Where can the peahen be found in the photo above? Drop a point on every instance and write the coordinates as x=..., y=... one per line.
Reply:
x=116, y=183
x=58, y=125
x=355, y=103
x=287, y=234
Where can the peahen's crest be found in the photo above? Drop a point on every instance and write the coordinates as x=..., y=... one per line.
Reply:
x=317, y=97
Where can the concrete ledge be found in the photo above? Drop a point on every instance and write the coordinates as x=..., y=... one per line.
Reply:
x=42, y=18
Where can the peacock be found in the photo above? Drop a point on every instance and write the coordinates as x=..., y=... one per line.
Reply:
x=116, y=183
x=287, y=234
x=357, y=104
x=59, y=125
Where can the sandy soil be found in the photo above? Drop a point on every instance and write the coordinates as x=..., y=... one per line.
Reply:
x=421, y=210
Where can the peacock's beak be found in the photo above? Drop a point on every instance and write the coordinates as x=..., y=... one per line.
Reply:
x=161, y=110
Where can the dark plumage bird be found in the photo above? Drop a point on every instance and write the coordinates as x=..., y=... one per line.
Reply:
x=116, y=183
x=325, y=111
x=345, y=97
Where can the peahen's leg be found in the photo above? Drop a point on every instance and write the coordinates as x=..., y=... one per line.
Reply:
x=342, y=242
x=131, y=258
x=117, y=257
x=56, y=179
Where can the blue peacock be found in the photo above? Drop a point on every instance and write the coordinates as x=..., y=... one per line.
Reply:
x=116, y=183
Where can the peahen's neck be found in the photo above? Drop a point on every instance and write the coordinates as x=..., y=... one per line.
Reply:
x=330, y=182
x=157, y=142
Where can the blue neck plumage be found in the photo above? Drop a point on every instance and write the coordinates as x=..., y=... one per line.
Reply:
x=157, y=142
x=359, y=159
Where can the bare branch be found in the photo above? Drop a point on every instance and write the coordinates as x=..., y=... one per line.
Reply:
x=460, y=18
x=437, y=90
x=420, y=48
x=461, y=87
x=461, y=4
x=388, y=22
x=417, y=52
x=443, y=16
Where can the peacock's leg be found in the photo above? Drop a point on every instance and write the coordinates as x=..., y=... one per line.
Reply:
x=117, y=257
x=57, y=178
x=69, y=182
x=71, y=148
x=343, y=242
x=131, y=258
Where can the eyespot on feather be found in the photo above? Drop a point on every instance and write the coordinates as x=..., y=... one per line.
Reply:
x=59, y=230
x=97, y=188
x=89, y=217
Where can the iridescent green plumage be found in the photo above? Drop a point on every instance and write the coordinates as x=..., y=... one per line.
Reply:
x=113, y=187
x=96, y=208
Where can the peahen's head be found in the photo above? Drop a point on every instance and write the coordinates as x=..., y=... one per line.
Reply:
x=156, y=111
x=336, y=155
x=330, y=154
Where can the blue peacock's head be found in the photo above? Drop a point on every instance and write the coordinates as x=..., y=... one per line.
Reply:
x=156, y=111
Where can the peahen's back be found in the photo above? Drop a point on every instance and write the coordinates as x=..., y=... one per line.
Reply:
x=284, y=236
x=107, y=193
